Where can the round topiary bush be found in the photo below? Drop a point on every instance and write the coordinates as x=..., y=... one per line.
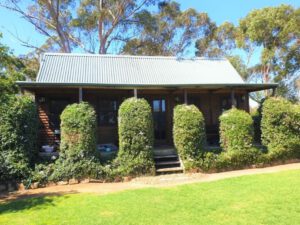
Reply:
x=18, y=137
x=280, y=127
x=136, y=134
x=188, y=132
x=236, y=130
x=78, y=142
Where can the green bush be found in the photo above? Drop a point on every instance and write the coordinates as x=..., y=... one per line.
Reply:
x=256, y=117
x=136, y=134
x=236, y=130
x=281, y=128
x=188, y=132
x=18, y=137
x=78, y=143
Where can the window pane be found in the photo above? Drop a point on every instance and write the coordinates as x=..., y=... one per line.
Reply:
x=108, y=105
x=163, y=105
x=108, y=112
x=156, y=105
x=107, y=118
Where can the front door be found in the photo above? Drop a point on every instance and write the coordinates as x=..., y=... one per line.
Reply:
x=159, y=120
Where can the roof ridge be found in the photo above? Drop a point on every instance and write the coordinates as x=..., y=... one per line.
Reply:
x=130, y=56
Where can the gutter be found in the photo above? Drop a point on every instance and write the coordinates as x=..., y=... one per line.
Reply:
x=27, y=84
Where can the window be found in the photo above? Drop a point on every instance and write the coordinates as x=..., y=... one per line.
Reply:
x=108, y=110
x=56, y=106
x=226, y=103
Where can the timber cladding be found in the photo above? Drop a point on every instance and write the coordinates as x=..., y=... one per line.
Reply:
x=106, y=102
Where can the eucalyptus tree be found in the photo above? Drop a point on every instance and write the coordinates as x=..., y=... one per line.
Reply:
x=111, y=21
x=88, y=25
x=169, y=31
x=272, y=31
x=50, y=18
x=276, y=31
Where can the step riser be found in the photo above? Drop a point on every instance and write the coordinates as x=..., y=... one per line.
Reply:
x=167, y=166
x=169, y=170
x=164, y=152
x=166, y=160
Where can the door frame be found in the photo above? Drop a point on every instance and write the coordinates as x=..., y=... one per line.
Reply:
x=150, y=99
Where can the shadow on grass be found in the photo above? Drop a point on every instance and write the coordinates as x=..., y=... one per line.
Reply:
x=29, y=201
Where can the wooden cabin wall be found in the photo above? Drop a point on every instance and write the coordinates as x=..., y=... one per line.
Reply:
x=209, y=103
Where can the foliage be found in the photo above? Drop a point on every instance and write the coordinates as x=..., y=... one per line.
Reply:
x=11, y=69
x=18, y=137
x=39, y=174
x=188, y=131
x=135, y=137
x=110, y=20
x=166, y=32
x=236, y=130
x=276, y=31
x=272, y=31
x=281, y=127
x=219, y=41
x=256, y=117
x=68, y=24
x=78, y=143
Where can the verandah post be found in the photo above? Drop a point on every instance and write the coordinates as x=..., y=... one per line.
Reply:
x=135, y=92
x=185, y=97
x=80, y=94
x=233, y=105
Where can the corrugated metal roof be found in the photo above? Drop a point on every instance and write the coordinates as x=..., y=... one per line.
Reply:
x=134, y=70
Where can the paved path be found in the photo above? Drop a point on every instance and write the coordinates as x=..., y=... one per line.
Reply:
x=142, y=182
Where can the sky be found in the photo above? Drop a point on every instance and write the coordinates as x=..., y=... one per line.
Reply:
x=218, y=10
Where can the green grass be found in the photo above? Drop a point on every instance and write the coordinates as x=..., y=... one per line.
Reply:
x=258, y=199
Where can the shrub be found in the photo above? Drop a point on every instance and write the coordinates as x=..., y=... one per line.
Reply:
x=236, y=130
x=256, y=117
x=188, y=132
x=135, y=137
x=78, y=143
x=281, y=128
x=18, y=137
x=238, y=159
x=230, y=160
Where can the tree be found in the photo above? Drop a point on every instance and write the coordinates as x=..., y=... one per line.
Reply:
x=52, y=19
x=276, y=31
x=168, y=32
x=71, y=24
x=11, y=69
x=110, y=20
x=218, y=42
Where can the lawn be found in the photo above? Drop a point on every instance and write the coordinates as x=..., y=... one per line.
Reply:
x=257, y=199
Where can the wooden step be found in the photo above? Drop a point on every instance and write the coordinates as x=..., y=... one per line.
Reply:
x=164, y=152
x=166, y=163
x=169, y=170
x=165, y=157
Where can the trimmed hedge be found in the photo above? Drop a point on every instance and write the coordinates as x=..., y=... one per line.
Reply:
x=78, y=143
x=136, y=136
x=189, y=132
x=18, y=137
x=236, y=130
x=281, y=128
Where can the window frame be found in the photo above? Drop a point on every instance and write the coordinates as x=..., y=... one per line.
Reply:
x=100, y=110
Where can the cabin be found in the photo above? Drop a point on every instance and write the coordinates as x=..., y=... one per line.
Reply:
x=104, y=81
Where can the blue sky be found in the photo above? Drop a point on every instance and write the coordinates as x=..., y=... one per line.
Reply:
x=218, y=10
